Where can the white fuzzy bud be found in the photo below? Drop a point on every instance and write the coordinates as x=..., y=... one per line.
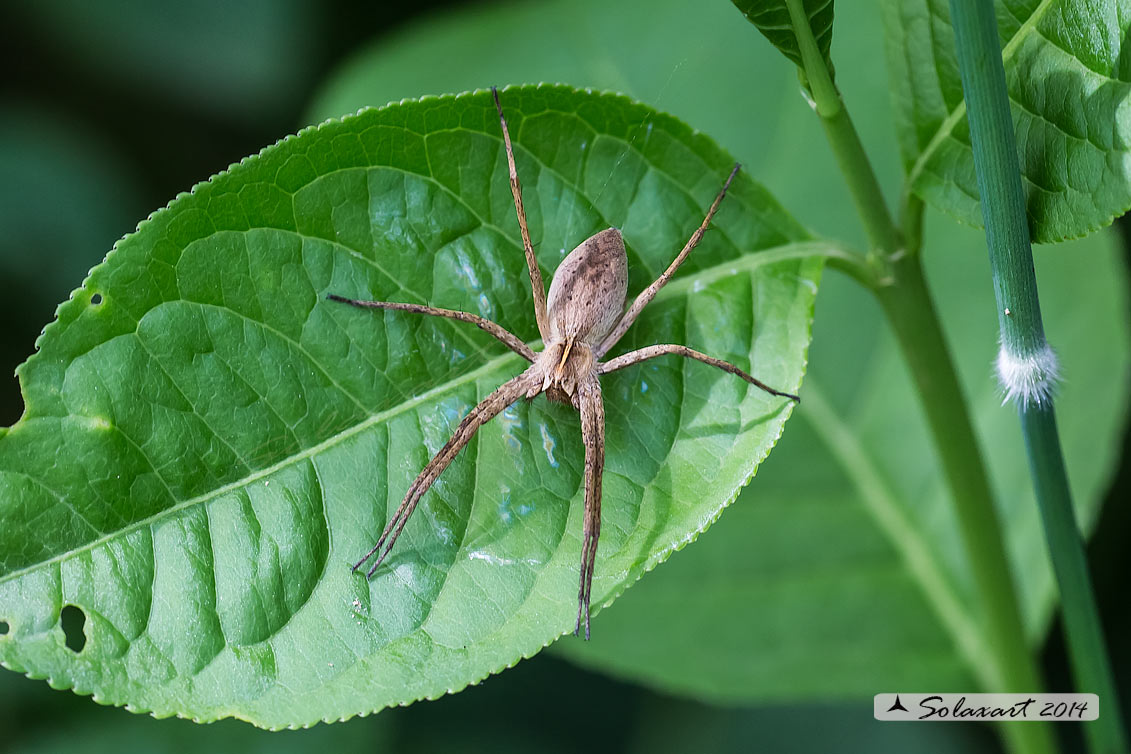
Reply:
x=1030, y=378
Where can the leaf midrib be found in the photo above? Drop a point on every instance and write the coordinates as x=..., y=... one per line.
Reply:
x=680, y=286
x=959, y=111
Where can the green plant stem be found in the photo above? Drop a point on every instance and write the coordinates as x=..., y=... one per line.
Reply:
x=1077, y=598
x=912, y=315
x=908, y=306
x=844, y=140
x=1023, y=343
x=999, y=176
x=911, y=221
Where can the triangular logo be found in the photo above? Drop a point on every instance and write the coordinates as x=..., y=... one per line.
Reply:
x=897, y=705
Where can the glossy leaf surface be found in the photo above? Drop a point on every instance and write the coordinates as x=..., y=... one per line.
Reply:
x=841, y=570
x=209, y=443
x=1068, y=70
x=804, y=592
x=773, y=20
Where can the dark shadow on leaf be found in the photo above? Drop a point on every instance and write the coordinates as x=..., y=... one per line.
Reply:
x=734, y=428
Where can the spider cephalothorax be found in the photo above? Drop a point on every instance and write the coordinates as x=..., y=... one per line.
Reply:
x=580, y=321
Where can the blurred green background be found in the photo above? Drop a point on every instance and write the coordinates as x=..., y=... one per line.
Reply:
x=110, y=109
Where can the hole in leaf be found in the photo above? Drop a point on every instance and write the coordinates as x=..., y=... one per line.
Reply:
x=3, y=627
x=73, y=620
x=96, y=299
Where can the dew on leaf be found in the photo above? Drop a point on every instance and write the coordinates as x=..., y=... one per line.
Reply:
x=511, y=421
x=505, y=504
x=467, y=272
x=548, y=444
x=486, y=308
x=498, y=560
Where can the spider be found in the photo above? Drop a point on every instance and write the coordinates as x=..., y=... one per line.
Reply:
x=580, y=320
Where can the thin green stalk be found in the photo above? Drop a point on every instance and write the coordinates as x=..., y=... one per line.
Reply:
x=911, y=221
x=1026, y=364
x=912, y=315
x=844, y=140
x=1077, y=599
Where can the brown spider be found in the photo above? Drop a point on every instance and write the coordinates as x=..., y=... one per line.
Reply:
x=580, y=321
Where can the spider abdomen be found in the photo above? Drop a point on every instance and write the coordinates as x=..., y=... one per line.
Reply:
x=588, y=291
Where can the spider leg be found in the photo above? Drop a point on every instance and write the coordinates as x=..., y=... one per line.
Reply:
x=536, y=284
x=649, y=352
x=593, y=434
x=503, y=335
x=503, y=396
x=650, y=292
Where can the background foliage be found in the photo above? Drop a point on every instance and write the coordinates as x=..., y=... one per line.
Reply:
x=684, y=62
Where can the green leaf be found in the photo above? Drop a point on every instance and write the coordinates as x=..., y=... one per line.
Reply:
x=1069, y=77
x=772, y=19
x=825, y=572
x=209, y=444
x=842, y=571
x=680, y=66
x=48, y=161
